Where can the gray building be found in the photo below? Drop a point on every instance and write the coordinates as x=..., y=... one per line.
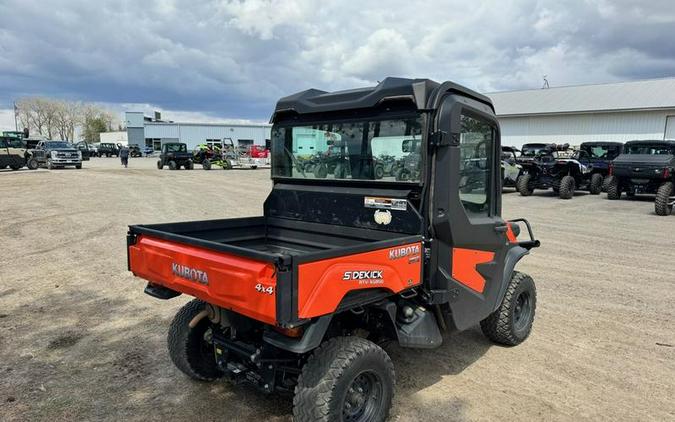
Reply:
x=153, y=132
x=606, y=112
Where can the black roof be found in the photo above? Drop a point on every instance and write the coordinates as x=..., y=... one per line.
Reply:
x=424, y=94
x=603, y=143
x=651, y=141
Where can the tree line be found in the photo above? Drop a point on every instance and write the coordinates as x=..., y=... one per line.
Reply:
x=61, y=119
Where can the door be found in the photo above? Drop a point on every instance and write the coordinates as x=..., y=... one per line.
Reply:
x=669, y=133
x=39, y=152
x=83, y=147
x=470, y=236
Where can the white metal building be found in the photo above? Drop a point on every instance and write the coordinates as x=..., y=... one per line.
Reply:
x=574, y=114
x=117, y=137
x=153, y=132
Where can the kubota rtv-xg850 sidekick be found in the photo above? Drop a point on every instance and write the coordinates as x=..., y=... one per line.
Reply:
x=298, y=299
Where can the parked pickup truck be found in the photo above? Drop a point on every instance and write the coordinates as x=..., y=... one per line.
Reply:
x=645, y=167
x=54, y=154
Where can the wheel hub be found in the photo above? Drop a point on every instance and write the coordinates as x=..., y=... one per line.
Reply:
x=522, y=311
x=363, y=397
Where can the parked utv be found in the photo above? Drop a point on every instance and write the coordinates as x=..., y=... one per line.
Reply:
x=511, y=168
x=108, y=150
x=298, y=299
x=135, y=151
x=209, y=156
x=13, y=153
x=597, y=155
x=557, y=167
x=54, y=154
x=645, y=167
x=175, y=155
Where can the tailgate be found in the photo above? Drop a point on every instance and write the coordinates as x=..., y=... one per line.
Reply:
x=241, y=284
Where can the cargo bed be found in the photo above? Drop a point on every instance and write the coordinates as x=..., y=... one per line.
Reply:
x=273, y=239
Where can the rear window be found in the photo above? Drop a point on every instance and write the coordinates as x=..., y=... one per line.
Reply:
x=650, y=149
x=387, y=150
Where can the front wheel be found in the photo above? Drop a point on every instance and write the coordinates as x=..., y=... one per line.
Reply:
x=206, y=164
x=159, y=165
x=523, y=185
x=173, y=165
x=512, y=322
x=189, y=348
x=50, y=164
x=78, y=166
x=345, y=379
x=33, y=164
x=664, y=202
x=597, y=180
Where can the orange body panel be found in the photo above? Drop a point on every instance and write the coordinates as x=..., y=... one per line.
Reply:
x=464, y=263
x=510, y=235
x=323, y=284
x=231, y=283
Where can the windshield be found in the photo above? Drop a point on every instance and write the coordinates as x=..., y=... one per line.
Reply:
x=650, y=149
x=58, y=145
x=530, y=150
x=176, y=147
x=388, y=150
x=607, y=152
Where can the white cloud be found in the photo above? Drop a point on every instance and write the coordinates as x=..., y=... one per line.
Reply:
x=235, y=58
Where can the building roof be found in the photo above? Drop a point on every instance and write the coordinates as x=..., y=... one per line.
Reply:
x=652, y=94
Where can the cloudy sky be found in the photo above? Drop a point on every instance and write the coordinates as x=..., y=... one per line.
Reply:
x=217, y=60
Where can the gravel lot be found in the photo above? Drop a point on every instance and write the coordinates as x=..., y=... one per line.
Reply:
x=80, y=341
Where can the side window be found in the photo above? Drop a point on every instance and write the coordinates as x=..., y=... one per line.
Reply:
x=476, y=145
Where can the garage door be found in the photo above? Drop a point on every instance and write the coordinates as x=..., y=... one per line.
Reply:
x=670, y=128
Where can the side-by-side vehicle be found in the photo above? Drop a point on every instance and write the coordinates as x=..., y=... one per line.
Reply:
x=298, y=300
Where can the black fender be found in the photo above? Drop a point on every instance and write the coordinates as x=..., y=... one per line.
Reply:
x=310, y=340
x=513, y=255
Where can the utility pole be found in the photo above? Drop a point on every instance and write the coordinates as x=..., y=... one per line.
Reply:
x=16, y=124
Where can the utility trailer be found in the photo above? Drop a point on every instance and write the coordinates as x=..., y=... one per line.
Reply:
x=298, y=300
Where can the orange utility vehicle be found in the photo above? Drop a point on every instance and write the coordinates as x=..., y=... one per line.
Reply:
x=299, y=299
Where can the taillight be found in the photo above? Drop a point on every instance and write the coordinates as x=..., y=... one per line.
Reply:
x=611, y=168
x=666, y=173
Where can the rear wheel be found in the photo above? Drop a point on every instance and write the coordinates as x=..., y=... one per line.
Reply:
x=664, y=202
x=524, y=186
x=159, y=165
x=613, y=189
x=189, y=348
x=173, y=165
x=227, y=165
x=190, y=165
x=596, y=184
x=206, y=164
x=512, y=322
x=321, y=171
x=567, y=186
x=15, y=168
x=345, y=379
x=402, y=175
x=340, y=171
x=379, y=171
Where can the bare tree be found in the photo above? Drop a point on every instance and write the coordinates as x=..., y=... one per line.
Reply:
x=58, y=118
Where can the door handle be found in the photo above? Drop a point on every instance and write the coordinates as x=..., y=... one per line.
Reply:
x=501, y=228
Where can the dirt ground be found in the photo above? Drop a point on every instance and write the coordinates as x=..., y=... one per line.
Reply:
x=80, y=341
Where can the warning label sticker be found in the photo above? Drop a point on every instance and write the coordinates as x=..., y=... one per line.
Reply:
x=385, y=203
